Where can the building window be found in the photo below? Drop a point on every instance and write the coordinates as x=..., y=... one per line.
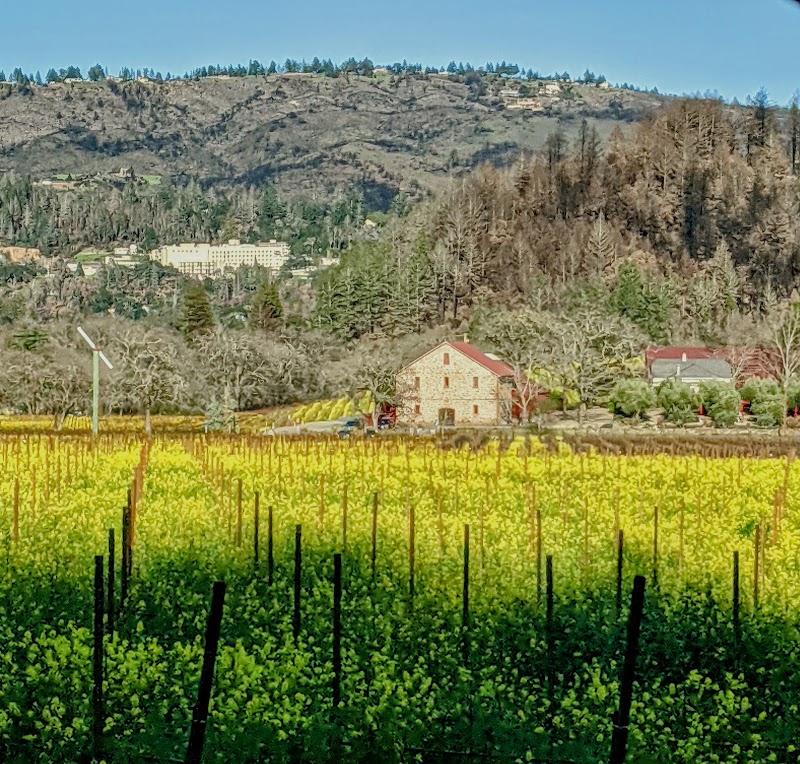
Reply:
x=416, y=382
x=447, y=383
x=475, y=382
x=447, y=359
x=416, y=408
x=475, y=410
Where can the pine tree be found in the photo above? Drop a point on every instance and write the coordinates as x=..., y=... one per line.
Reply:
x=197, y=316
x=267, y=309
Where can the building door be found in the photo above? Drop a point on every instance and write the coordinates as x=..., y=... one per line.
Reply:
x=447, y=417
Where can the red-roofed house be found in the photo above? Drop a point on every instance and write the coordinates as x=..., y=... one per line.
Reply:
x=745, y=362
x=455, y=383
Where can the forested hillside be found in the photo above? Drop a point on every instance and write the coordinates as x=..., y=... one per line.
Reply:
x=308, y=134
x=683, y=229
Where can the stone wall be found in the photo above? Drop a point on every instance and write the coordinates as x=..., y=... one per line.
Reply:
x=447, y=379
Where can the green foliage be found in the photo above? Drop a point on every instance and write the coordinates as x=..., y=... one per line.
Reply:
x=721, y=402
x=766, y=401
x=197, y=316
x=632, y=397
x=769, y=410
x=646, y=302
x=30, y=339
x=266, y=310
x=677, y=401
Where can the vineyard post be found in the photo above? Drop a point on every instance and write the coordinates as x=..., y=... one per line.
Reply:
x=98, y=717
x=411, y=554
x=465, y=597
x=239, y=512
x=197, y=733
x=344, y=517
x=15, y=527
x=123, y=594
x=620, y=549
x=755, y=566
x=255, y=529
x=270, y=552
x=736, y=623
x=655, y=548
x=337, y=631
x=111, y=563
x=131, y=530
x=298, y=533
x=374, y=532
x=549, y=624
x=538, y=557
x=622, y=718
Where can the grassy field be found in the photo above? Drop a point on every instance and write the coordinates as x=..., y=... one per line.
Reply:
x=416, y=677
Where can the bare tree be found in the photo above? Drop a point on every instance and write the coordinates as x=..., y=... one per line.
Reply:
x=590, y=351
x=783, y=326
x=149, y=373
x=522, y=339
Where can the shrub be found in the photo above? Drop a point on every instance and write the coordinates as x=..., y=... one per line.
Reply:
x=768, y=410
x=766, y=401
x=721, y=402
x=632, y=397
x=678, y=401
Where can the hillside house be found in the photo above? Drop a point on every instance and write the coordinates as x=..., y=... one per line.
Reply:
x=744, y=362
x=456, y=384
x=691, y=372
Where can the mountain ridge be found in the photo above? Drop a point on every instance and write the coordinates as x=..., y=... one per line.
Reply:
x=307, y=134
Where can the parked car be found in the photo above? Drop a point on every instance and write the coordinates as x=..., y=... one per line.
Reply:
x=349, y=426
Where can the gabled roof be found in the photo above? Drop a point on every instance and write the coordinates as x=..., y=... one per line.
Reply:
x=676, y=353
x=497, y=367
x=700, y=368
x=494, y=365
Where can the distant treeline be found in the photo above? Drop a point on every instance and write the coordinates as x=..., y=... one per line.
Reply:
x=364, y=67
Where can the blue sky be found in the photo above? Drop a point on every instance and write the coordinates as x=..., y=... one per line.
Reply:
x=733, y=46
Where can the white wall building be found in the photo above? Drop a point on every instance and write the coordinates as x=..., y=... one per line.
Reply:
x=212, y=259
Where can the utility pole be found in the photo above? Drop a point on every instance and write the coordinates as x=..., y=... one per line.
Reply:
x=97, y=356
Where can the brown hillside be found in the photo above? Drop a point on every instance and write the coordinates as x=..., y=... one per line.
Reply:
x=307, y=133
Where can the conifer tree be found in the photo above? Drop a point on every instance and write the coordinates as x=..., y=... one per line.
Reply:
x=197, y=316
x=267, y=309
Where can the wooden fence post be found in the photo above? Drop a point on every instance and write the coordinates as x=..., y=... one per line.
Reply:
x=337, y=630
x=239, y=512
x=737, y=635
x=270, y=547
x=98, y=717
x=619, y=735
x=412, y=553
x=111, y=563
x=620, y=548
x=256, y=522
x=15, y=520
x=298, y=532
x=374, y=532
x=194, y=751
x=465, y=596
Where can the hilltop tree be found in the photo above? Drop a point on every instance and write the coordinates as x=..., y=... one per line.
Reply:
x=197, y=317
x=96, y=73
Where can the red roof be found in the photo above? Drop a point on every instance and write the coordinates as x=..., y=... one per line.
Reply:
x=655, y=353
x=498, y=368
x=746, y=362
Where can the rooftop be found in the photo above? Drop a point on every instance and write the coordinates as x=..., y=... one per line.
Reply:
x=492, y=363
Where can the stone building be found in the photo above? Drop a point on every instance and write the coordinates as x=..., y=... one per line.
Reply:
x=455, y=384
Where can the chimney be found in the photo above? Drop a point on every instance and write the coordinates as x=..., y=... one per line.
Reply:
x=683, y=357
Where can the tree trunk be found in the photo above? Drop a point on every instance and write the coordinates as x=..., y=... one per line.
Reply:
x=148, y=425
x=581, y=412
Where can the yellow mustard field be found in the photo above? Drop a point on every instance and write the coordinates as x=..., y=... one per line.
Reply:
x=418, y=677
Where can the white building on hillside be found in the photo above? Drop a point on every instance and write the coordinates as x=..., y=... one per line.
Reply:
x=212, y=259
